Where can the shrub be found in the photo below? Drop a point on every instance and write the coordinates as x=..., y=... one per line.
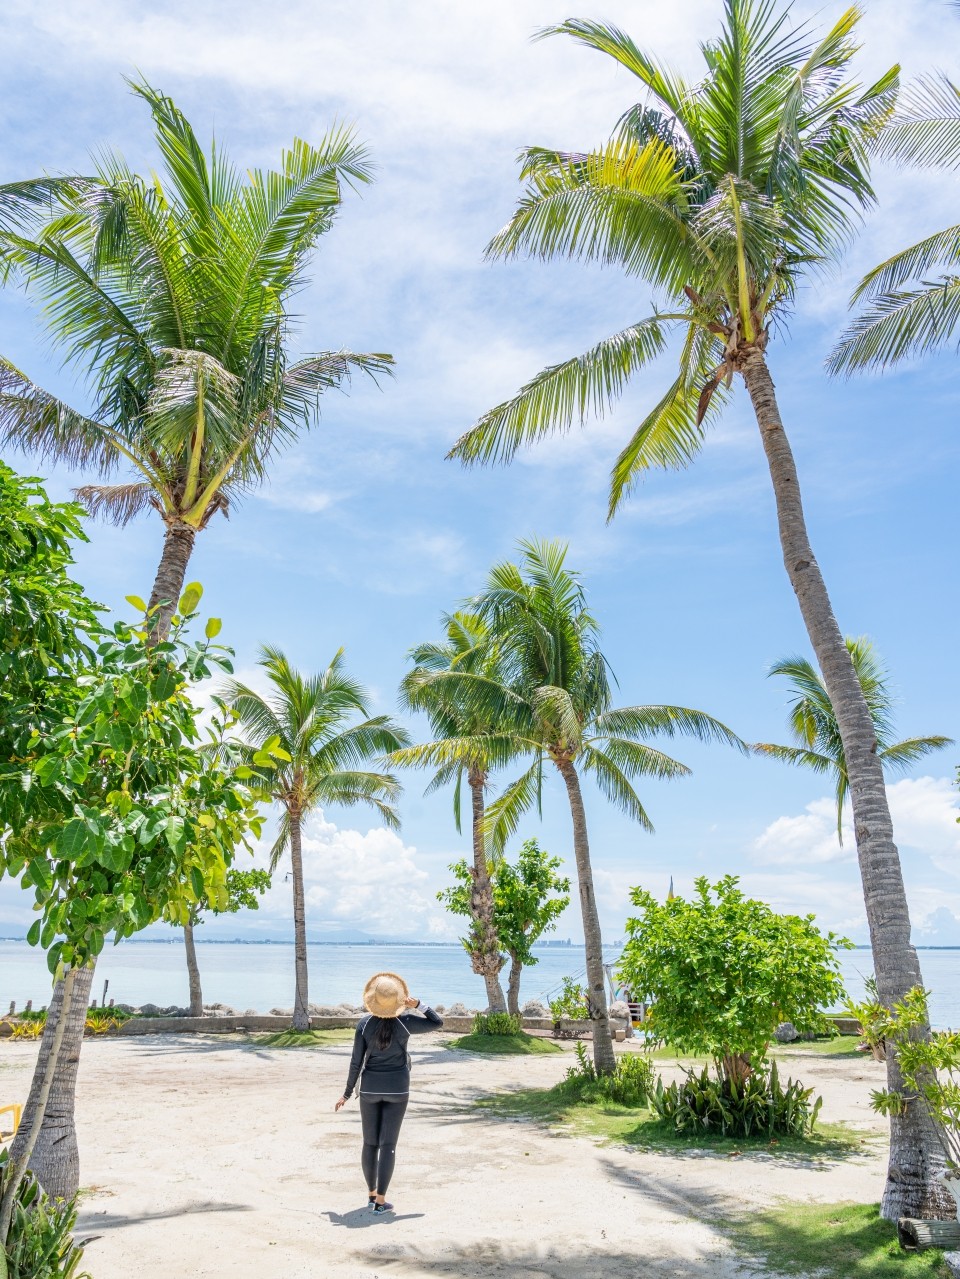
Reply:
x=725, y=970
x=497, y=1024
x=40, y=1244
x=34, y=1014
x=930, y=1064
x=570, y=1003
x=631, y=1084
x=758, y=1105
x=27, y=1030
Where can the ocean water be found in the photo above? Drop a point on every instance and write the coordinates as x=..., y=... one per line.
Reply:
x=260, y=976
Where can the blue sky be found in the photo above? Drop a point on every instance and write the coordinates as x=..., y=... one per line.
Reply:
x=366, y=534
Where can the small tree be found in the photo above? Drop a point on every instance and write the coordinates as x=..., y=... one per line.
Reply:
x=725, y=970
x=111, y=812
x=244, y=890
x=523, y=907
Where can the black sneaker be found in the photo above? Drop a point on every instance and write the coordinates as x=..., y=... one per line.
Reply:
x=382, y=1207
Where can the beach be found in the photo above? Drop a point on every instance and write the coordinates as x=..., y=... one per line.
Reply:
x=209, y=1155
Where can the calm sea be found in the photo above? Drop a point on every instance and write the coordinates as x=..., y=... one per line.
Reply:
x=260, y=976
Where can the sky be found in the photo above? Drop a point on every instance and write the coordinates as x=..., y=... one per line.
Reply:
x=365, y=534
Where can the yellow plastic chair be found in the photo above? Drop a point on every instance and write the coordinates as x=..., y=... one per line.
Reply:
x=16, y=1111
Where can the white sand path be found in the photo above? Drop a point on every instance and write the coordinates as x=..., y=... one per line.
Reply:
x=208, y=1156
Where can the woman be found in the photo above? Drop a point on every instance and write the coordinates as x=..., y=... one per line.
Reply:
x=380, y=1051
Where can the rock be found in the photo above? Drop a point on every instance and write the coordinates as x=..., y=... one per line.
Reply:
x=125, y=1008
x=621, y=1022
x=534, y=1008
x=457, y=1010
x=149, y=1010
x=251, y=1012
x=281, y=1012
x=440, y=1009
x=953, y=1262
x=786, y=1033
x=219, y=1010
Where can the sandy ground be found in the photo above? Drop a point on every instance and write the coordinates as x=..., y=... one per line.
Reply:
x=206, y=1156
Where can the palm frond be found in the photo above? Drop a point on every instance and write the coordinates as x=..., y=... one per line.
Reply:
x=502, y=817
x=925, y=131
x=562, y=395
x=900, y=755
x=899, y=325
x=615, y=785
x=118, y=503
x=666, y=721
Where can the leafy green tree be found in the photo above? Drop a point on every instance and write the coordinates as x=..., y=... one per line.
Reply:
x=525, y=906
x=110, y=810
x=529, y=897
x=459, y=751
x=814, y=727
x=913, y=298
x=244, y=890
x=171, y=294
x=319, y=731
x=723, y=195
x=724, y=970
x=550, y=701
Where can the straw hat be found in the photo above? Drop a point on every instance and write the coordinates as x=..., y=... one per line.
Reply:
x=384, y=994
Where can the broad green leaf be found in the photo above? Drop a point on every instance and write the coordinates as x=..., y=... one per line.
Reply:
x=73, y=838
x=196, y=879
x=33, y=932
x=213, y=627
x=136, y=602
x=190, y=598
x=164, y=686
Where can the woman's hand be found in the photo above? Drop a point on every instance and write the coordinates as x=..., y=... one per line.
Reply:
x=411, y=1003
x=340, y=1104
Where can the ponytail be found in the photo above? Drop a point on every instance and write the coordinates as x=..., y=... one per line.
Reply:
x=385, y=1033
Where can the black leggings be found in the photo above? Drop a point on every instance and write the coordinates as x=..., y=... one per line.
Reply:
x=381, y=1115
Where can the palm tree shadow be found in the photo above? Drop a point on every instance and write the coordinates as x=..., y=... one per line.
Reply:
x=363, y=1218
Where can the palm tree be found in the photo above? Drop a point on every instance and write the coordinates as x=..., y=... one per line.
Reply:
x=913, y=298
x=319, y=733
x=171, y=295
x=551, y=702
x=816, y=733
x=459, y=750
x=721, y=195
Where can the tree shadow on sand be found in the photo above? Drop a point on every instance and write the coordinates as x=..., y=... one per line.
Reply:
x=493, y=1259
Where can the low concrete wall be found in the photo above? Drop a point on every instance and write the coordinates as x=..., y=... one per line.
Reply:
x=233, y=1024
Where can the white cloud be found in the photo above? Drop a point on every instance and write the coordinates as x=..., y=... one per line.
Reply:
x=370, y=881
x=924, y=811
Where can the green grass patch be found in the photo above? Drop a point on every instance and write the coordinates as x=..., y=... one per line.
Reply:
x=303, y=1038
x=837, y=1046
x=625, y=1125
x=522, y=1045
x=832, y=1241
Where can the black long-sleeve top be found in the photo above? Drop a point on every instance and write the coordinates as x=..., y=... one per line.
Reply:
x=387, y=1071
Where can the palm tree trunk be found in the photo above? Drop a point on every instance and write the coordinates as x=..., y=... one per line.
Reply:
x=193, y=970
x=301, y=1012
x=20, y=1157
x=485, y=952
x=168, y=585
x=604, y=1059
x=912, y=1189
x=513, y=985
x=55, y=1158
